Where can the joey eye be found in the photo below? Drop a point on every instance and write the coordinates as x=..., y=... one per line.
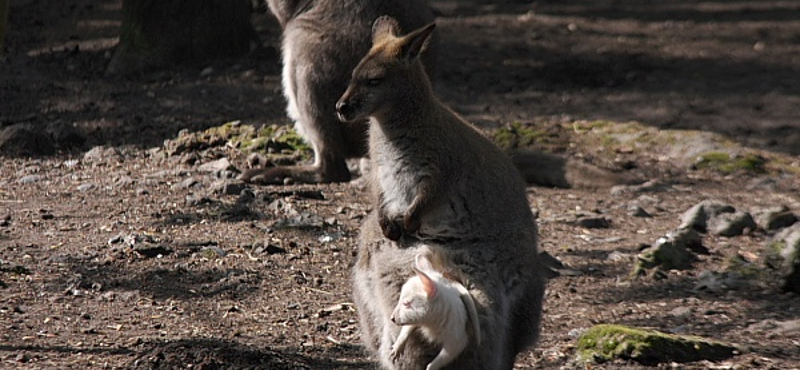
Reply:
x=407, y=304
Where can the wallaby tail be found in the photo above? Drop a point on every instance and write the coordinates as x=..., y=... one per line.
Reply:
x=546, y=169
x=472, y=311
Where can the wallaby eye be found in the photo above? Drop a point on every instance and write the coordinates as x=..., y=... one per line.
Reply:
x=374, y=81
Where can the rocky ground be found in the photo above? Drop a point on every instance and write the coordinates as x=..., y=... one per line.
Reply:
x=126, y=243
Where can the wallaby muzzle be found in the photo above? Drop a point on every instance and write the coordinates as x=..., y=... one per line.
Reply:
x=346, y=109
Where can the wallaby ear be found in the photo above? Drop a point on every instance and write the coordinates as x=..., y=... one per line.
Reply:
x=415, y=42
x=428, y=285
x=385, y=26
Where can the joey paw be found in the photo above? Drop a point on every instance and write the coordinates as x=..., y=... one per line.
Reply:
x=395, y=353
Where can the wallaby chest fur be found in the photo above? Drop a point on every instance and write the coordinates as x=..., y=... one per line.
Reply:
x=436, y=179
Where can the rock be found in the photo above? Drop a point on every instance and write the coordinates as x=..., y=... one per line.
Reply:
x=218, y=165
x=188, y=183
x=731, y=224
x=30, y=179
x=594, y=222
x=149, y=250
x=300, y=221
x=604, y=343
x=671, y=252
x=783, y=255
x=228, y=187
x=86, y=186
x=773, y=218
x=638, y=211
x=646, y=187
x=698, y=216
x=25, y=141
x=102, y=154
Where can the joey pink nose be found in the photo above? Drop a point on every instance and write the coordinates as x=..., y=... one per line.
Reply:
x=392, y=318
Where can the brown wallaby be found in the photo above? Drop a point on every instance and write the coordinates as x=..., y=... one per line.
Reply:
x=437, y=180
x=323, y=40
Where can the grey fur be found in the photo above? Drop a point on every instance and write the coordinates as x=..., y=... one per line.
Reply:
x=438, y=180
x=323, y=40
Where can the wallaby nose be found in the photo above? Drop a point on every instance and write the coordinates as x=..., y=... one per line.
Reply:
x=343, y=109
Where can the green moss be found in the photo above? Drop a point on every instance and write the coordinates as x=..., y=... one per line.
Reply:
x=724, y=162
x=518, y=135
x=604, y=343
x=267, y=139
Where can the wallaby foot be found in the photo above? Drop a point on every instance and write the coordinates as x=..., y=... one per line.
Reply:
x=296, y=174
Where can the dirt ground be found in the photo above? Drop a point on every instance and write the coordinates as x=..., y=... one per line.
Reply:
x=132, y=258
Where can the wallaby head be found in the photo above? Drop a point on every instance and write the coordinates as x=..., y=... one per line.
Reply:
x=417, y=295
x=385, y=71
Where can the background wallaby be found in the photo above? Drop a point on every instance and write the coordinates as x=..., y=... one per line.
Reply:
x=438, y=180
x=323, y=40
x=440, y=308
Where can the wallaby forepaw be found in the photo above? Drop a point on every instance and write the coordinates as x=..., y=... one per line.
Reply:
x=391, y=229
x=411, y=224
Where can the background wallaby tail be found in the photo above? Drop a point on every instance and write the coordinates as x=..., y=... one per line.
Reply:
x=546, y=169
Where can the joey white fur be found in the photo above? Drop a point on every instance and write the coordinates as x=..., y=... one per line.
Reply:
x=440, y=308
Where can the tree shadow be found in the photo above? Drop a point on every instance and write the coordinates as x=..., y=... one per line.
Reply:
x=216, y=353
x=680, y=65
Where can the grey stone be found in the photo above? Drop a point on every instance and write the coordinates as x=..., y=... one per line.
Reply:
x=773, y=218
x=698, y=216
x=86, y=187
x=188, y=183
x=731, y=224
x=102, y=154
x=638, y=211
x=594, y=222
x=674, y=251
x=783, y=255
x=216, y=166
x=30, y=179
x=228, y=187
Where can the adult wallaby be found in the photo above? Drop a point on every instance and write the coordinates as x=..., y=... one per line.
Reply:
x=437, y=180
x=323, y=40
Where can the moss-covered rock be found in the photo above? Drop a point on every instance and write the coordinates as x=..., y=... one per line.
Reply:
x=604, y=343
x=272, y=139
x=727, y=163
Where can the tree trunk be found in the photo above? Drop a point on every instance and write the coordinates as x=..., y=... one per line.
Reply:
x=4, y=9
x=156, y=33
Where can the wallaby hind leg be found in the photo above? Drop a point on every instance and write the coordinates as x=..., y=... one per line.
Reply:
x=312, y=89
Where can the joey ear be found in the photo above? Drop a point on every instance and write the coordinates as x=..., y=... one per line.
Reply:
x=422, y=263
x=385, y=26
x=415, y=42
x=428, y=285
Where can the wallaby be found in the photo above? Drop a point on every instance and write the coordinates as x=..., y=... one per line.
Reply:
x=323, y=40
x=437, y=180
x=440, y=308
